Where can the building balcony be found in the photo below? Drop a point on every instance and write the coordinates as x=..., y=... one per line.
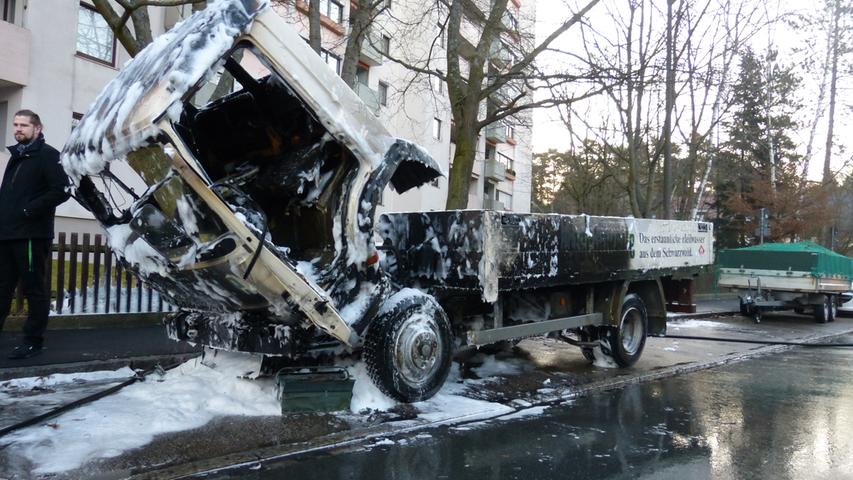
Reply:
x=14, y=62
x=496, y=133
x=495, y=170
x=492, y=204
x=370, y=53
x=369, y=96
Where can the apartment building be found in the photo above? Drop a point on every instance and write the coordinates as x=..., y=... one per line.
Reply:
x=58, y=54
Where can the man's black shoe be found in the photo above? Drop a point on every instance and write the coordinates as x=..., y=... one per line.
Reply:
x=24, y=351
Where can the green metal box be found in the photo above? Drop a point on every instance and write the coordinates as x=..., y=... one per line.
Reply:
x=314, y=390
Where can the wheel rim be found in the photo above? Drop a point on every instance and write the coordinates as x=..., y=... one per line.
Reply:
x=833, y=309
x=631, y=330
x=417, y=348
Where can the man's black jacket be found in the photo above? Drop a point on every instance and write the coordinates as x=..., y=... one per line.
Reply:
x=33, y=185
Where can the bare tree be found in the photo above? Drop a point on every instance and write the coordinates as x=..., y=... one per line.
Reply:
x=678, y=72
x=482, y=91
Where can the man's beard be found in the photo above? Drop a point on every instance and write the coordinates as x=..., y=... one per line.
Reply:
x=22, y=138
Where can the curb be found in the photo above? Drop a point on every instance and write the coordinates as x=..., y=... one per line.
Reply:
x=83, y=321
x=141, y=362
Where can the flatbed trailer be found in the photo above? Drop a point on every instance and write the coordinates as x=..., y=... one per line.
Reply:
x=796, y=276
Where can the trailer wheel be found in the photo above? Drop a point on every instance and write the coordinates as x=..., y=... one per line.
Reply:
x=408, y=347
x=625, y=343
x=745, y=309
x=823, y=312
x=833, y=308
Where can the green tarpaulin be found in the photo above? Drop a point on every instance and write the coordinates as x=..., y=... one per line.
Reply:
x=799, y=256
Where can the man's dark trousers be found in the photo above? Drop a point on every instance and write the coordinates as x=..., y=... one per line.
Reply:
x=26, y=260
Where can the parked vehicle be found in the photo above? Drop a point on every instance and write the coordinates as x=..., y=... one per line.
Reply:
x=846, y=307
x=800, y=276
x=249, y=203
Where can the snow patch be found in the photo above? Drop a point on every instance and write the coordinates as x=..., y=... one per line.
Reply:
x=186, y=397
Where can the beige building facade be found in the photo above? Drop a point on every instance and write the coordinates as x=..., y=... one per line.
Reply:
x=57, y=55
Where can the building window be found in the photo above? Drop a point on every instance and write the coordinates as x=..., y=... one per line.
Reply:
x=75, y=120
x=504, y=198
x=331, y=60
x=436, y=84
x=510, y=131
x=436, y=128
x=332, y=9
x=441, y=35
x=512, y=22
x=490, y=151
x=383, y=93
x=386, y=45
x=9, y=11
x=95, y=38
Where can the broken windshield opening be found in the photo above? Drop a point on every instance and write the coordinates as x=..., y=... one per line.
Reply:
x=264, y=149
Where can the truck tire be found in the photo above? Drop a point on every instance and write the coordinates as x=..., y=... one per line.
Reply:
x=624, y=344
x=408, y=348
x=823, y=312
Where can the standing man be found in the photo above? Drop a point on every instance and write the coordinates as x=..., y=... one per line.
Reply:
x=33, y=185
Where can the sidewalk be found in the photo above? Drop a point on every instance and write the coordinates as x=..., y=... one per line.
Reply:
x=94, y=346
x=108, y=347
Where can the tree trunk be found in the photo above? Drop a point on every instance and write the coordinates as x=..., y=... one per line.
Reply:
x=459, y=181
x=359, y=21
x=667, y=123
x=827, y=170
x=314, y=27
x=818, y=110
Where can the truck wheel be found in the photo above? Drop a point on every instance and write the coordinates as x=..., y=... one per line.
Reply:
x=625, y=343
x=407, y=349
x=823, y=312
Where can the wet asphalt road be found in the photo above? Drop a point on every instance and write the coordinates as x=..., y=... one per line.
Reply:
x=782, y=416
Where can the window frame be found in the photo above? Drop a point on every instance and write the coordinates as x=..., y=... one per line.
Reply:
x=326, y=54
x=9, y=11
x=385, y=45
x=382, y=93
x=327, y=10
x=112, y=62
x=436, y=128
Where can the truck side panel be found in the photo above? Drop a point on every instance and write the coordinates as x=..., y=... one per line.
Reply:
x=498, y=251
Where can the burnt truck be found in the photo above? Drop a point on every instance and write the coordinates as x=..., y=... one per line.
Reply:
x=239, y=176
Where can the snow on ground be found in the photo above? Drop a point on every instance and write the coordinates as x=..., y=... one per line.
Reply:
x=194, y=393
x=693, y=323
x=30, y=383
x=186, y=397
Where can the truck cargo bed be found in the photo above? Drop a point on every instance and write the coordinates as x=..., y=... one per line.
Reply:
x=493, y=251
